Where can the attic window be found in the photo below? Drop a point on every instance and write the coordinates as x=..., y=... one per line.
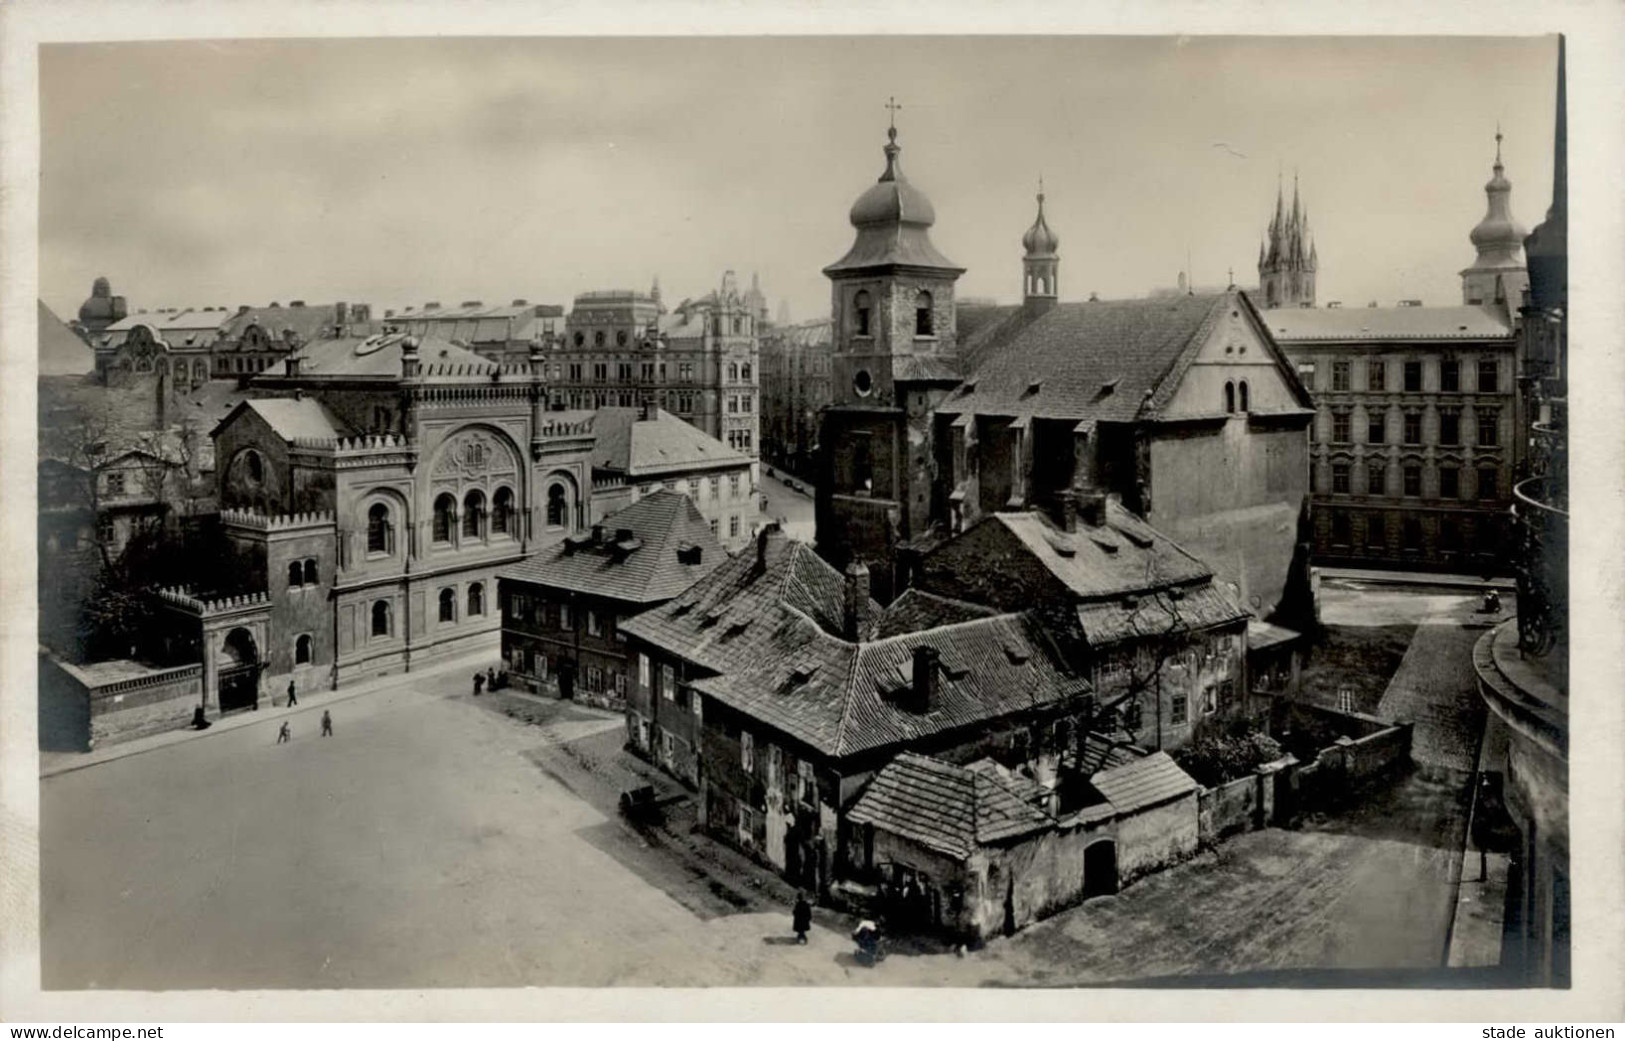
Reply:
x=957, y=671
x=1017, y=655
x=1176, y=593
x=1105, y=544
x=1110, y=385
x=1035, y=386
x=689, y=554
x=1062, y=547
x=713, y=616
x=737, y=627
x=970, y=386
x=682, y=609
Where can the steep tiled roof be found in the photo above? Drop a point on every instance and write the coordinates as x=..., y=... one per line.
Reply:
x=663, y=444
x=1143, y=783
x=947, y=808
x=1060, y=364
x=916, y=610
x=1179, y=609
x=646, y=569
x=189, y=328
x=732, y=617
x=1123, y=555
x=843, y=698
x=1353, y=324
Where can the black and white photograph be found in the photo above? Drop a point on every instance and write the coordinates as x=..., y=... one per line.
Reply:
x=848, y=509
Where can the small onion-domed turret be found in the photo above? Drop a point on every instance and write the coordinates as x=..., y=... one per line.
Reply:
x=1040, y=241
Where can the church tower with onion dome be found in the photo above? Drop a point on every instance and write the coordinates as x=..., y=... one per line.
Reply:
x=894, y=360
x=1498, y=275
x=1040, y=264
x=1287, y=259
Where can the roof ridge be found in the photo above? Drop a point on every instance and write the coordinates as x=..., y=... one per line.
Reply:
x=1168, y=381
x=1000, y=616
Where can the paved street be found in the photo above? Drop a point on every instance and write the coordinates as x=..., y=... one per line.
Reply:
x=794, y=507
x=437, y=842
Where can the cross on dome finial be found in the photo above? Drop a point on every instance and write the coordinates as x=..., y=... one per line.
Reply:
x=1498, y=141
x=892, y=106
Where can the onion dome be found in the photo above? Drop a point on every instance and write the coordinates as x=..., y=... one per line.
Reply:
x=1040, y=241
x=892, y=199
x=893, y=218
x=1498, y=237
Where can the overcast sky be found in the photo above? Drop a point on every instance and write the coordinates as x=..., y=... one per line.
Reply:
x=401, y=171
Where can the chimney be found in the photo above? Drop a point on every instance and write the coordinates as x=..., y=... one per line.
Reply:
x=296, y=303
x=520, y=302
x=1091, y=508
x=1069, y=511
x=923, y=693
x=473, y=303
x=646, y=409
x=432, y=305
x=763, y=537
x=341, y=318
x=855, y=615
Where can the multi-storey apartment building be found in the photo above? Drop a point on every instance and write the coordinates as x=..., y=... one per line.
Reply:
x=1414, y=446
x=795, y=388
x=494, y=333
x=700, y=361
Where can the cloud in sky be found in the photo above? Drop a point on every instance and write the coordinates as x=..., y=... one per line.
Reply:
x=399, y=171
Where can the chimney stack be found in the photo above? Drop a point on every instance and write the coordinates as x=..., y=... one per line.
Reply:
x=855, y=616
x=927, y=678
x=341, y=319
x=1091, y=508
x=768, y=533
x=1069, y=511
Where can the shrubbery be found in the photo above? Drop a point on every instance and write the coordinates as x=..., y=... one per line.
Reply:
x=1220, y=755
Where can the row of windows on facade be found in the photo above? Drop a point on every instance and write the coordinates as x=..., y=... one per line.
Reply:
x=1376, y=378
x=863, y=309
x=649, y=372
x=1449, y=481
x=542, y=612
x=714, y=483
x=600, y=338
x=503, y=520
x=1488, y=424
x=1411, y=535
x=383, y=620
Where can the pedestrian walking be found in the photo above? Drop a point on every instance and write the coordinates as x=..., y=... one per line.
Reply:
x=490, y=679
x=327, y=724
x=479, y=681
x=284, y=735
x=801, y=918
x=293, y=699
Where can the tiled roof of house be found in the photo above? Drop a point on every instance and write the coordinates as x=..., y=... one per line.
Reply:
x=1103, y=752
x=1346, y=324
x=1173, y=609
x=731, y=618
x=947, y=808
x=660, y=445
x=1143, y=783
x=1123, y=555
x=654, y=564
x=916, y=610
x=845, y=698
x=130, y=409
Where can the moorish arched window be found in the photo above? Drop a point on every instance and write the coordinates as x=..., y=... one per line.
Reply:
x=502, y=512
x=380, y=618
x=378, y=529
x=448, y=605
x=476, y=600
x=558, y=511
x=295, y=575
x=310, y=571
x=1244, y=395
x=474, y=515
x=445, y=510
x=1229, y=396
x=301, y=651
